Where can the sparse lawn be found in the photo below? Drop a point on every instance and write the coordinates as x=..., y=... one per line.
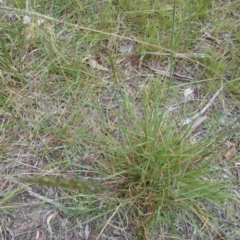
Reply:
x=123, y=116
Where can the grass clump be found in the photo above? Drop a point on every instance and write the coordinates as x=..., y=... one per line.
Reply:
x=152, y=174
x=159, y=174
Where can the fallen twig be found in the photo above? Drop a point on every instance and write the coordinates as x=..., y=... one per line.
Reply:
x=45, y=199
x=168, y=74
x=203, y=111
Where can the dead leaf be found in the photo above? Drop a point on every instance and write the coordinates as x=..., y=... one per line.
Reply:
x=40, y=234
x=227, y=155
x=37, y=235
x=3, y=185
x=49, y=219
x=94, y=64
x=86, y=232
x=26, y=19
x=189, y=94
x=238, y=174
x=199, y=121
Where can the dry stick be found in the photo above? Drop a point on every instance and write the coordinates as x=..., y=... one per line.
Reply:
x=36, y=195
x=168, y=74
x=48, y=200
x=99, y=235
x=209, y=104
x=211, y=100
